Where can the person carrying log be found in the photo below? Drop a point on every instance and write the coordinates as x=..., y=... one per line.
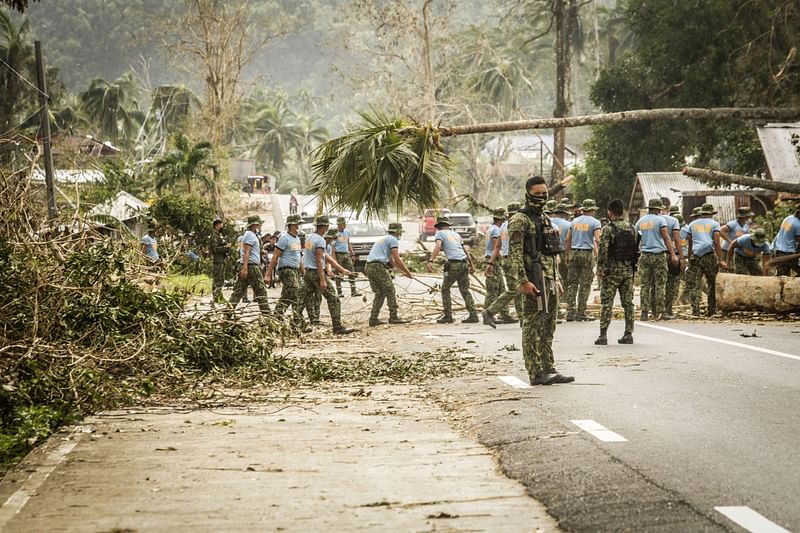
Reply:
x=743, y=253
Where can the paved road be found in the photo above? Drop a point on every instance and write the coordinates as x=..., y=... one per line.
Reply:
x=706, y=424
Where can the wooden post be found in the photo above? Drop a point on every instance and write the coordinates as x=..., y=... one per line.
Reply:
x=52, y=211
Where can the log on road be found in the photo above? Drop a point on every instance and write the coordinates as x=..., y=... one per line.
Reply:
x=772, y=294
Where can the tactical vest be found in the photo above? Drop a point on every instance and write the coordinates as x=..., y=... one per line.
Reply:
x=548, y=238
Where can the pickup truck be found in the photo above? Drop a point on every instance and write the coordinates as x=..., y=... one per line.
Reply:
x=427, y=221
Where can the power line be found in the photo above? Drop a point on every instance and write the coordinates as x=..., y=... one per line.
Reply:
x=20, y=76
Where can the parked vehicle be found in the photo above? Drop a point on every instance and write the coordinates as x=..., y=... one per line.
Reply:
x=363, y=234
x=427, y=222
x=465, y=225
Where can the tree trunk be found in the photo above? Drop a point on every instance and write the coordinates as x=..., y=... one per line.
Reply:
x=564, y=18
x=747, y=181
x=690, y=113
x=772, y=294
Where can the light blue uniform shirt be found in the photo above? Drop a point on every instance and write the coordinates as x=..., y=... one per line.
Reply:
x=735, y=230
x=583, y=229
x=491, y=235
x=342, y=241
x=313, y=242
x=649, y=227
x=684, y=242
x=562, y=226
x=150, y=248
x=451, y=244
x=672, y=224
x=504, y=239
x=290, y=251
x=747, y=248
x=785, y=239
x=381, y=251
x=702, y=231
x=255, y=247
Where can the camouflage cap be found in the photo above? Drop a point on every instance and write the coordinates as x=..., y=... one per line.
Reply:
x=513, y=207
x=562, y=208
x=550, y=205
x=252, y=220
x=759, y=237
x=442, y=220
x=589, y=205
x=294, y=219
x=674, y=209
x=499, y=213
x=696, y=211
x=395, y=227
x=322, y=220
x=341, y=220
x=332, y=233
x=708, y=209
x=743, y=212
x=655, y=203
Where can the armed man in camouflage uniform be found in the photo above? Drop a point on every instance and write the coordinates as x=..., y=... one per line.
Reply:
x=616, y=261
x=220, y=249
x=580, y=250
x=540, y=306
x=705, y=258
x=382, y=256
x=288, y=262
x=345, y=256
x=494, y=276
x=316, y=282
x=456, y=270
x=250, y=274
x=656, y=250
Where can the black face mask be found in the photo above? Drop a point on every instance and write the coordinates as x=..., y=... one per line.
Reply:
x=536, y=201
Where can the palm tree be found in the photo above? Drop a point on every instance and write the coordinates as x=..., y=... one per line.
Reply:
x=113, y=106
x=17, y=52
x=277, y=134
x=186, y=162
x=172, y=105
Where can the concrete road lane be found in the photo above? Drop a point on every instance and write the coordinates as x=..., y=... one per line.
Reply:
x=705, y=424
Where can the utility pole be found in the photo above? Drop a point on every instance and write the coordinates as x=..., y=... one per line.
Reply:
x=52, y=212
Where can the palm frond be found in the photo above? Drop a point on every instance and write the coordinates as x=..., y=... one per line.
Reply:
x=381, y=166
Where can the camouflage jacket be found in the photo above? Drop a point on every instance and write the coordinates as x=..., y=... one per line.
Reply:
x=604, y=262
x=519, y=227
x=219, y=249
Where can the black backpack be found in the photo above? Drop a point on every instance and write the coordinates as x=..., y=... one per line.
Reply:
x=624, y=245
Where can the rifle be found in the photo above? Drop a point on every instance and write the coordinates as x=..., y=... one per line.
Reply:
x=535, y=273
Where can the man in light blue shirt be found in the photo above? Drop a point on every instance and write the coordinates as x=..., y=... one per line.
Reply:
x=250, y=273
x=288, y=261
x=315, y=279
x=150, y=246
x=735, y=228
x=743, y=253
x=382, y=256
x=674, y=272
x=500, y=304
x=787, y=242
x=705, y=258
x=345, y=256
x=580, y=254
x=457, y=269
x=656, y=242
x=494, y=276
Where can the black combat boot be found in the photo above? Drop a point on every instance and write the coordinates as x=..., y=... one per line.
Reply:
x=341, y=330
x=375, y=322
x=445, y=319
x=627, y=338
x=645, y=316
x=602, y=340
x=397, y=320
x=488, y=319
x=471, y=319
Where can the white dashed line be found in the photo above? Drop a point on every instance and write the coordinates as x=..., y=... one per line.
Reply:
x=751, y=520
x=600, y=432
x=722, y=341
x=514, y=381
x=17, y=501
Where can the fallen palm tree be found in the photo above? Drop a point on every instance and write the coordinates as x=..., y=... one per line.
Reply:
x=715, y=176
x=389, y=161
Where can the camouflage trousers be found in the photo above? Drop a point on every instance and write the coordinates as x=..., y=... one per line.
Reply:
x=702, y=267
x=254, y=279
x=500, y=304
x=380, y=281
x=786, y=269
x=653, y=279
x=291, y=294
x=312, y=291
x=618, y=278
x=672, y=288
x=747, y=266
x=538, y=328
x=456, y=272
x=346, y=261
x=495, y=286
x=218, y=281
x=579, y=283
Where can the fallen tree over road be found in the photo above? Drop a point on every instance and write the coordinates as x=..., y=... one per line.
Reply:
x=736, y=179
x=772, y=294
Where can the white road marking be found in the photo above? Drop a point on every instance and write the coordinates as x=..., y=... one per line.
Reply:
x=722, y=341
x=514, y=381
x=17, y=501
x=601, y=432
x=751, y=520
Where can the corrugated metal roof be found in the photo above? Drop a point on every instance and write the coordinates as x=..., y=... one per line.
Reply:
x=782, y=157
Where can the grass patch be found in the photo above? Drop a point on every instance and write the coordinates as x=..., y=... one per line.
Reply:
x=194, y=284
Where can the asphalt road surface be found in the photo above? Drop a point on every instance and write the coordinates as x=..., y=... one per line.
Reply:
x=693, y=428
